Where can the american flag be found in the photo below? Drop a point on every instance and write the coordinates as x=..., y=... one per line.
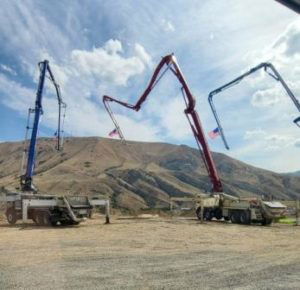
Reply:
x=113, y=133
x=214, y=133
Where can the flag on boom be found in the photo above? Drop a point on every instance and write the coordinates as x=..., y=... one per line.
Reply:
x=113, y=133
x=214, y=133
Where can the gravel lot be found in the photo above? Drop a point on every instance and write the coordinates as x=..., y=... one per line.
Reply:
x=153, y=253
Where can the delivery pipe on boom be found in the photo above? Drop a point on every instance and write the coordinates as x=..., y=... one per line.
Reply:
x=169, y=62
x=292, y=4
x=26, y=179
x=271, y=71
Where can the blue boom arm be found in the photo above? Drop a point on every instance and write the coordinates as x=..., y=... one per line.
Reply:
x=26, y=179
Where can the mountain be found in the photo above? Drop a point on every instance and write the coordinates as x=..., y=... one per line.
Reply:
x=296, y=173
x=138, y=174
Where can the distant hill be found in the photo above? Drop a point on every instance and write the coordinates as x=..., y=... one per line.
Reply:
x=139, y=174
x=296, y=173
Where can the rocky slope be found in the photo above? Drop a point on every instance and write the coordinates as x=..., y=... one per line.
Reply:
x=137, y=175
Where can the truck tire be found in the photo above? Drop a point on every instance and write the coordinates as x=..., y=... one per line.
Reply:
x=235, y=217
x=266, y=221
x=218, y=213
x=245, y=218
x=208, y=214
x=11, y=216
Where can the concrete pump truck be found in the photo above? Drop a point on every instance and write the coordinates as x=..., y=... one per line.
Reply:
x=217, y=204
x=47, y=209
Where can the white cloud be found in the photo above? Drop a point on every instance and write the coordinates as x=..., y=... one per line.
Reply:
x=265, y=98
x=106, y=63
x=26, y=30
x=142, y=54
x=167, y=25
x=84, y=75
x=173, y=120
x=8, y=69
x=289, y=42
x=297, y=143
x=113, y=46
x=17, y=97
x=271, y=150
x=279, y=139
x=254, y=134
x=138, y=131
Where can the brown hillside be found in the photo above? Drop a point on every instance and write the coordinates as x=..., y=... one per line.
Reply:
x=137, y=175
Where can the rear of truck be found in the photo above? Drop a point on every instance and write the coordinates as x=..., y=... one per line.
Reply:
x=238, y=210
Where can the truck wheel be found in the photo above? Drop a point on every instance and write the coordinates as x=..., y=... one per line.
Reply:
x=245, y=217
x=218, y=213
x=11, y=216
x=208, y=215
x=266, y=221
x=235, y=217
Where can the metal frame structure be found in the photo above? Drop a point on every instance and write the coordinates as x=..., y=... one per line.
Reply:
x=274, y=74
x=26, y=178
x=169, y=62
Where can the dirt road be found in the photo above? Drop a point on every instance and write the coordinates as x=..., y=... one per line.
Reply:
x=155, y=253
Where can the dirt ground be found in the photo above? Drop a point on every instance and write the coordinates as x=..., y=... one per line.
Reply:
x=152, y=253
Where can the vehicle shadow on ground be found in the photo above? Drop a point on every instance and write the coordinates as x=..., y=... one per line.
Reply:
x=192, y=221
x=32, y=226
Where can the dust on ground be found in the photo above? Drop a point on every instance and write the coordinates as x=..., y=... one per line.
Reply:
x=150, y=253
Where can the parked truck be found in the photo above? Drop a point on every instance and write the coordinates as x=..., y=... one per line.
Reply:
x=51, y=210
x=238, y=210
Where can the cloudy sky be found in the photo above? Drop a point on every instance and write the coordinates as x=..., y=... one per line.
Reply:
x=111, y=47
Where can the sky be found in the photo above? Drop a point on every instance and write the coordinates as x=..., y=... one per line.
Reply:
x=111, y=47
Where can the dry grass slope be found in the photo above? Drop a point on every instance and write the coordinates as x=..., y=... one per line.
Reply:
x=137, y=175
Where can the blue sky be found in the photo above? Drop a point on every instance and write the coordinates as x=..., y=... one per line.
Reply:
x=111, y=47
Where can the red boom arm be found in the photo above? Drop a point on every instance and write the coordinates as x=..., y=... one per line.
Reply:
x=192, y=116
